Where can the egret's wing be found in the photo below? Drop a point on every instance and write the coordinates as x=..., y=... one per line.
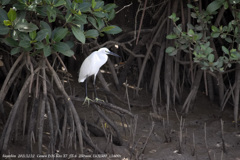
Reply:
x=91, y=65
x=88, y=67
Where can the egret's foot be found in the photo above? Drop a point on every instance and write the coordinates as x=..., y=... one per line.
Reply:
x=87, y=100
x=97, y=99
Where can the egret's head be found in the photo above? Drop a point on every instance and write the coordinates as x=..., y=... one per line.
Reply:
x=105, y=50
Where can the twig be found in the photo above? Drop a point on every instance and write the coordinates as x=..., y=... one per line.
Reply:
x=124, y=7
x=133, y=130
x=60, y=60
x=177, y=114
x=136, y=18
x=205, y=138
x=222, y=155
x=166, y=133
x=120, y=44
x=129, y=106
x=145, y=144
x=181, y=135
x=141, y=21
x=194, y=146
x=222, y=136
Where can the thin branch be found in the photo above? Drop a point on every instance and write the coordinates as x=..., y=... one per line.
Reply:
x=146, y=142
x=141, y=21
x=222, y=136
x=120, y=44
x=60, y=60
x=124, y=7
x=205, y=139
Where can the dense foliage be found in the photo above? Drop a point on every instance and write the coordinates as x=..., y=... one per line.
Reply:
x=41, y=26
x=197, y=39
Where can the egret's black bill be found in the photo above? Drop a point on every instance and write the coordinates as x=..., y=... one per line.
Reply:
x=114, y=54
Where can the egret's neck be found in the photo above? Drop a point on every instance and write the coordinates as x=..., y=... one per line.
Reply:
x=103, y=58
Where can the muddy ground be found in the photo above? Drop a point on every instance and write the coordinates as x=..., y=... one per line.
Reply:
x=203, y=120
x=161, y=143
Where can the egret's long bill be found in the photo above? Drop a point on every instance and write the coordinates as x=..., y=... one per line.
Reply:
x=112, y=53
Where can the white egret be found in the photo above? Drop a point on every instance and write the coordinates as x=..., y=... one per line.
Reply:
x=91, y=66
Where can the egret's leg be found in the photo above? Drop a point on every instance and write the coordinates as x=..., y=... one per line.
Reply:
x=86, y=96
x=86, y=81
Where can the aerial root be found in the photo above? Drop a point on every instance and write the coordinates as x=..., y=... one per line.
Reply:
x=118, y=139
x=106, y=105
x=36, y=91
x=97, y=105
x=37, y=103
